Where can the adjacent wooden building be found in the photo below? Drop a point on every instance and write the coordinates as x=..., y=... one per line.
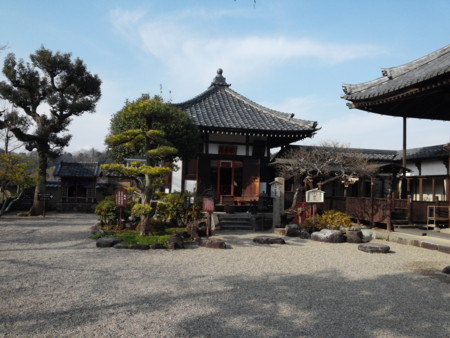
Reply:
x=417, y=89
x=78, y=186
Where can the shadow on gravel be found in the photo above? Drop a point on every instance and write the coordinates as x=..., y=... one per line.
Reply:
x=136, y=301
x=322, y=305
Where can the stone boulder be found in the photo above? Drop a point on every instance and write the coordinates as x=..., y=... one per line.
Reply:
x=107, y=242
x=121, y=245
x=328, y=236
x=446, y=270
x=157, y=246
x=140, y=247
x=268, y=240
x=354, y=236
x=97, y=230
x=176, y=241
x=291, y=230
x=212, y=243
x=304, y=235
x=374, y=248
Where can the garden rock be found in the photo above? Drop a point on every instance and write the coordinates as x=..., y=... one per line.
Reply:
x=176, y=241
x=97, y=230
x=291, y=230
x=374, y=248
x=354, y=236
x=212, y=243
x=107, y=242
x=121, y=246
x=157, y=246
x=140, y=247
x=446, y=270
x=305, y=235
x=268, y=240
x=328, y=236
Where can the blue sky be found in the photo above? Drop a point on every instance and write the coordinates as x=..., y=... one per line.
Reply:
x=289, y=55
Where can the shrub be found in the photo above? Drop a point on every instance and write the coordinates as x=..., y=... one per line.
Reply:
x=331, y=219
x=107, y=211
x=171, y=209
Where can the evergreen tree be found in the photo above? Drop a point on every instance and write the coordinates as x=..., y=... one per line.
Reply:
x=64, y=88
x=145, y=120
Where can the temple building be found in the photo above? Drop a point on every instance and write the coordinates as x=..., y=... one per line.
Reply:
x=417, y=89
x=236, y=137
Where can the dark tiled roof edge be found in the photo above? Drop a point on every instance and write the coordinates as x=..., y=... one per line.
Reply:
x=403, y=76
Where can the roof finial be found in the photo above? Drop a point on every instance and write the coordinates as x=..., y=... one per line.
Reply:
x=219, y=80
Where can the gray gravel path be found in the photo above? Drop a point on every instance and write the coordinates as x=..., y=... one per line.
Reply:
x=54, y=282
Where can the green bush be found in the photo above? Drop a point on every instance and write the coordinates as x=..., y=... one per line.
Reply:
x=133, y=237
x=331, y=219
x=171, y=209
x=107, y=211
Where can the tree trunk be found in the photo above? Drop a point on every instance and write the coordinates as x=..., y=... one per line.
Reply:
x=38, y=206
x=144, y=225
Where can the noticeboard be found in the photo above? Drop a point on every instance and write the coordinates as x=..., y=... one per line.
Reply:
x=208, y=204
x=315, y=196
x=121, y=197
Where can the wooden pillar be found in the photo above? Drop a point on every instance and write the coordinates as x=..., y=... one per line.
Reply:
x=372, y=186
x=403, y=186
x=420, y=189
x=433, y=189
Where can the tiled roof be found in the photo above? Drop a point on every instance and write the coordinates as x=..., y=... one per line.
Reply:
x=377, y=154
x=396, y=78
x=438, y=151
x=219, y=108
x=369, y=154
x=75, y=169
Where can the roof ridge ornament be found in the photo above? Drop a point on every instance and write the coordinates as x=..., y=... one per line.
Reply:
x=219, y=80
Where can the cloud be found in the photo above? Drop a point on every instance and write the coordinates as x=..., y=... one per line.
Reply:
x=190, y=54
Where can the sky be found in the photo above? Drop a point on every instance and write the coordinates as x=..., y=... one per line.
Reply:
x=288, y=55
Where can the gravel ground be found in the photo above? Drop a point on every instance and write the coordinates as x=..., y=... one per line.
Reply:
x=56, y=283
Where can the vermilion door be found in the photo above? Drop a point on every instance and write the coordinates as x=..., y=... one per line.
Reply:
x=227, y=176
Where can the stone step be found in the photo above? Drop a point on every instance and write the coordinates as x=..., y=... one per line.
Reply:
x=234, y=222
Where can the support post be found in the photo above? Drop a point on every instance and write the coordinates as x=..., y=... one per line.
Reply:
x=403, y=185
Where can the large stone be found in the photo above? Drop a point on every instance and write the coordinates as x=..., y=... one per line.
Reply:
x=354, y=236
x=305, y=235
x=212, y=243
x=176, y=241
x=268, y=240
x=140, y=247
x=328, y=236
x=121, y=246
x=291, y=230
x=107, y=242
x=157, y=246
x=374, y=248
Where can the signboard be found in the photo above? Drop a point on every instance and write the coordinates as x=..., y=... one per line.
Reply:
x=45, y=197
x=315, y=196
x=121, y=197
x=208, y=204
x=275, y=190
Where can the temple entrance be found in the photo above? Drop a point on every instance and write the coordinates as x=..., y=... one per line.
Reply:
x=226, y=177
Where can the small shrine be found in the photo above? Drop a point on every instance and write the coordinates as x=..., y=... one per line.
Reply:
x=237, y=135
